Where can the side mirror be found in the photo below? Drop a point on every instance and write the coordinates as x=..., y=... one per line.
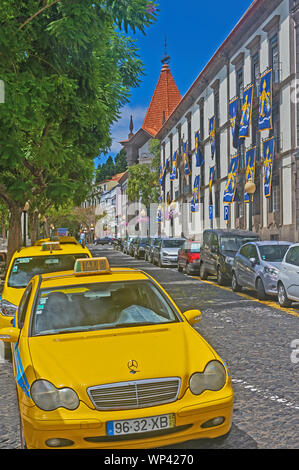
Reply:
x=253, y=261
x=192, y=316
x=214, y=249
x=9, y=335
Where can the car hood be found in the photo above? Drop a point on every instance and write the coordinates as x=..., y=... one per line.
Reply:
x=88, y=359
x=272, y=264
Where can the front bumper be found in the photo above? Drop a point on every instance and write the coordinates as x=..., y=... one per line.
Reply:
x=86, y=427
x=194, y=267
x=169, y=260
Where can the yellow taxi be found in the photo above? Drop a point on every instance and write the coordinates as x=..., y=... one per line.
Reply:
x=103, y=358
x=43, y=257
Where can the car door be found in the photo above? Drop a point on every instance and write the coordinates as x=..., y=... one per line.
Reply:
x=211, y=254
x=291, y=272
x=251, y=268
x=183, y=255
x=240, y=265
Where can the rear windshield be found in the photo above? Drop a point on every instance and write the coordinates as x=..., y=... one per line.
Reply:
x=195, y=248
x=234, y=243
x=23, y=269
x=172, y=243
x=274, y=253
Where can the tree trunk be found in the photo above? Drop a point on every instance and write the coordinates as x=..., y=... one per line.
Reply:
x=15, y=230
x=33, y=226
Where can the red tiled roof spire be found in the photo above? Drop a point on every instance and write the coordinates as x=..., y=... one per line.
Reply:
x=164, y=100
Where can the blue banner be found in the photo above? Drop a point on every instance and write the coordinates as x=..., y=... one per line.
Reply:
x=250, y=169
x=268, y=153
x=230, y=187
x=234, y=118
x=186, y=158
x=162, y=177
x=212, y=134
x=196, y=194
x=198, y=151
x=265, y=101
x=173, y=173
x=246, y=111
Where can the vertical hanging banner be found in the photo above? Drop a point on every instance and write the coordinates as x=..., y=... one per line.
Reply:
x=196, y=194
x=211, y=179
x=159, y=210
x=162, y=177
x=250, y=169
x=265, y=101
x=173, y=173
x=234, y=117
x=186, y=159
x=230, y=187
x=198, y=151
x=268, y=153
x=212, y=134
x=246, y=111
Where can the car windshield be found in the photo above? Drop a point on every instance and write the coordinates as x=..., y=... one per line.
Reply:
x=23, y=269
x=100, y=306
x=274, y=253
x=142, y=240
x=233, y=243
x=195, y=248
x=172, y=243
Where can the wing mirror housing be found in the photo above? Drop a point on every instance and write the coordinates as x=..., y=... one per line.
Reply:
x=9, y=335
x=192, y=316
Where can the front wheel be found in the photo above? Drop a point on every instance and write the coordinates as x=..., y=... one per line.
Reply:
x=235, y=286
x=260, y=289
x=282, y=297
x=202, y=272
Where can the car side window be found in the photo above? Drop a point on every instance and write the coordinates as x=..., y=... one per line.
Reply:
x=214, y=240
x=23, y=306
x=293, y=256
x=253, y=252
x=245, y=251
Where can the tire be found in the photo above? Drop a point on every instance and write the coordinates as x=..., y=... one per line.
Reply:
x=187, y=269
x=220, y=278
x=202, y=272
x=261, y=294
x=282, y=296
x=160, y=263
x=235, y=286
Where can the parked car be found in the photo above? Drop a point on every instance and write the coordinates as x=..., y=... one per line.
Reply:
x=149, y=247
x=132, y=245
x=103, y=241
x=256, y=266
x=288, y=277
x=189, y=257
x=218, y=250
x=127, y=245
x=139, y=247
x=166, y=251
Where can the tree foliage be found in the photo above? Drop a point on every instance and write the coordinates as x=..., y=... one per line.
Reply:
x=109, y=168
x=68, y=68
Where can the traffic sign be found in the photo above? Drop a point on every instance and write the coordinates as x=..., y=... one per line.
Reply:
x=211, y=212
x=226, y=212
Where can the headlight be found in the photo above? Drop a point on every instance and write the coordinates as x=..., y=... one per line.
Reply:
x=47, y=397
x=271, y=271
x=212, y=378
x=8, y=308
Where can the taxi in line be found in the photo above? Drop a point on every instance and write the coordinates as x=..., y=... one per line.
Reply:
x=103, y=358
x=43, y=257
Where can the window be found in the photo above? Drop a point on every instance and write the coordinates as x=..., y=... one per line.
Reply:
x=256, y=206
x=255, y=72
x=293, y=256
x=217, y=203
x=239, y=83
x=274, y=58
x=23, y=306
x=274, y=199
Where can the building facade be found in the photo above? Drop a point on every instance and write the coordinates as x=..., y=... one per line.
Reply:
x=266, y=39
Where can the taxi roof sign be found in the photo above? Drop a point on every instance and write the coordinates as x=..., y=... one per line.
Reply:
x=85, y=266
x=50, y=246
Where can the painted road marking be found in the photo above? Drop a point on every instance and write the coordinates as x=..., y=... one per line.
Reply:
x=268, y=303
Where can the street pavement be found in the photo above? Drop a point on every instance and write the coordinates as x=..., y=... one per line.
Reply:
x=255, y=339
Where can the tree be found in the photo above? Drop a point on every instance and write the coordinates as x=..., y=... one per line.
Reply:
x=110, y=168
x=143, y=179
x=67, y=72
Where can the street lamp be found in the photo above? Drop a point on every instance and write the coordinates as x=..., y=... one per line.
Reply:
x=250, y=190
x=26, y=208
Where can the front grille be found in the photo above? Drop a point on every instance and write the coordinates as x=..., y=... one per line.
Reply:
x=135, y=394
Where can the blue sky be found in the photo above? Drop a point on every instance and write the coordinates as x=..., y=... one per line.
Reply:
x=194, y=30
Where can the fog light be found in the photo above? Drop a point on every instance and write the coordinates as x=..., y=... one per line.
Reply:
x=213, y=422
x=57, y=442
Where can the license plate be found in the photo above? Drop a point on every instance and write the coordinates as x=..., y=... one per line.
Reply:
x=138, y=425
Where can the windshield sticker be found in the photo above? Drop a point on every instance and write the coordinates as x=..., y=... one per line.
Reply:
x=23, y=260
